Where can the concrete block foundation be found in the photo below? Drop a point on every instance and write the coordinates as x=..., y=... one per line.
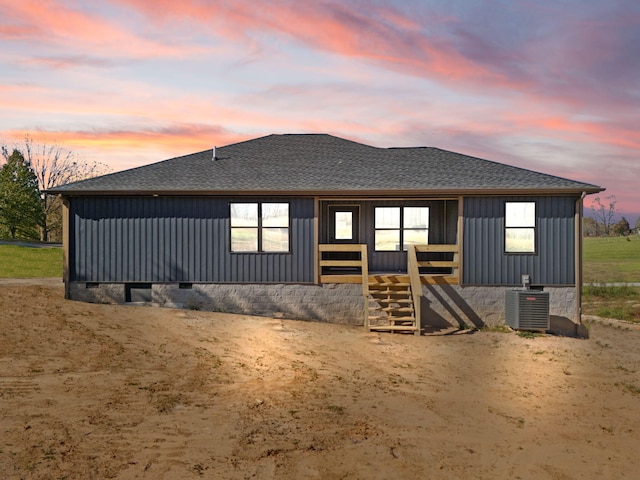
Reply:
x=335, y=303
x=443, y=306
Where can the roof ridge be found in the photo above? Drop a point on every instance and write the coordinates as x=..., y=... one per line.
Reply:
x=411, y=148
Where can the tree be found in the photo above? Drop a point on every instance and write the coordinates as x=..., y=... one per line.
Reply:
x=589, y=227
x=622, y=228
x=54, y=165
x=604, y=213
x=20, y=205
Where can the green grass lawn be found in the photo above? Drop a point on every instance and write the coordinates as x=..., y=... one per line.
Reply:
x=24, y=262
x=612, y=259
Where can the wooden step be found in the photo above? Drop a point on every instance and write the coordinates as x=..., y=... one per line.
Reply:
x=392, y=300
x=389, y=318
x=408, y=318
x=405, y=328
x=389, y=285
x=390, y=292
x=392, y=309
x=389, y=278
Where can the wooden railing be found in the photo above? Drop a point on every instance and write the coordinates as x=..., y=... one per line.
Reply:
x=453, y=265
x=416, y=285
x=417, y=270
x=417, y=278
x=361, y=263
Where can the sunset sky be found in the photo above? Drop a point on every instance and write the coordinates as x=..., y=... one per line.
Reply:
x=549, y=85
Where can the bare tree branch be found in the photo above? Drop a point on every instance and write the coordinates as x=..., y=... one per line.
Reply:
x=54, y=165
x=604, y=213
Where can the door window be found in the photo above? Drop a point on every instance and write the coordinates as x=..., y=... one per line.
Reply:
x=344, y=223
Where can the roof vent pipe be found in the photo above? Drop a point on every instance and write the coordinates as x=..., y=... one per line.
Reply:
x=214, y=153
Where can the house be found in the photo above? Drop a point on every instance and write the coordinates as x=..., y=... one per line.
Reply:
x=313, y=226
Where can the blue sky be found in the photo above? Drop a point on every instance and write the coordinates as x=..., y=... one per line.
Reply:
x=551, y=86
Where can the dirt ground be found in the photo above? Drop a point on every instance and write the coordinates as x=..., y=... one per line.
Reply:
x=103, y=391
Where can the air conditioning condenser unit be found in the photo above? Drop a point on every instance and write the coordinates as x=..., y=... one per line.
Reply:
x=527, y=309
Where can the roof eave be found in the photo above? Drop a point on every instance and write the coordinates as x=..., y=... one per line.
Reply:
x=345, y=193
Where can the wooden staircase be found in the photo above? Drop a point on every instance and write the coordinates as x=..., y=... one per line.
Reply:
x=392, y=302
x=391, y=305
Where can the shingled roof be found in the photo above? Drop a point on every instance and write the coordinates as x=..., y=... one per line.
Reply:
x=321, y=164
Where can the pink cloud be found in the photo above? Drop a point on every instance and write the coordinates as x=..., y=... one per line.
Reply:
x=603, y=132
x=51, y=22
x=147, y=108
x=387, y=37
x=421, y=44
x=120, y=149
x=180, y=138
x=62, y=62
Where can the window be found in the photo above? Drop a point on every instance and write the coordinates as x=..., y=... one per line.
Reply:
x=343, y=227
x=259, y=227
x=396, y=226
x=520, y=227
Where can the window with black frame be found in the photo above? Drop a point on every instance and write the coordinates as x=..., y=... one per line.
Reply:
x=520, y=227
x=259, y=227
x=398, y=227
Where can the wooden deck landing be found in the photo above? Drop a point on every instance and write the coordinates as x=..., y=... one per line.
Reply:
x=357, y=278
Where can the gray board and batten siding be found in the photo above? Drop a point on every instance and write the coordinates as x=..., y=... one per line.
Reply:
x=485, y=261
x=186, y=239
x=179, y=239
